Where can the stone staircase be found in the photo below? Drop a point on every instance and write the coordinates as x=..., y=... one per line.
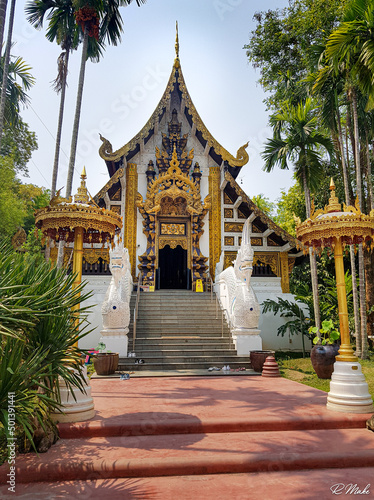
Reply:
x=177, y=330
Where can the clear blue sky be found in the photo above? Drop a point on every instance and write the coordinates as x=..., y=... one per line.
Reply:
x=122, y=90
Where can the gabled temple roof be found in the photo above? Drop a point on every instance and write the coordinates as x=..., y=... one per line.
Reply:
x=219, y=154
x=247, y=207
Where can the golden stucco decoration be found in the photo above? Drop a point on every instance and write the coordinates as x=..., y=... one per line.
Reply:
x=173, y=184
x=59, y=219
x=325, y=225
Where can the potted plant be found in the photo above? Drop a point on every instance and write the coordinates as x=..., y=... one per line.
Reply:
x=325, y=348
x=105, y=363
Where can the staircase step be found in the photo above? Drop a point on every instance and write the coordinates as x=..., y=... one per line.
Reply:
x=176, y=366
x=200, y=453
x=181, y=319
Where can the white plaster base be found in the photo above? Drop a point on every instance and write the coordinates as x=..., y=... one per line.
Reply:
x=115, y=340
x=79, y=409
x=348, y=389
x=246, y=339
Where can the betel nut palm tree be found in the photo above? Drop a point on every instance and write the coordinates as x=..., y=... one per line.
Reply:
x=6, y=66
x=297, y=139
x=351, y=46
x=330, y=86
x=63, y=30
x=100, y=20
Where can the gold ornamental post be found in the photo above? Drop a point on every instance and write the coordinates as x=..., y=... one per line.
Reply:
x=346, y=352
x=335, y=228
x=78, y=222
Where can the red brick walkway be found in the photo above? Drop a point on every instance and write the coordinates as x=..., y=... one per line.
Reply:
x=203, y=437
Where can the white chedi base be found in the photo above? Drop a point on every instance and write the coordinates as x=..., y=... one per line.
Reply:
x=349, y=390
x=115, y=340
x=246, y=340
x=79, y=409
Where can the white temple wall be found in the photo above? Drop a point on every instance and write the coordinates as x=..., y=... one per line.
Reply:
x=99, y=286
x=270, y=288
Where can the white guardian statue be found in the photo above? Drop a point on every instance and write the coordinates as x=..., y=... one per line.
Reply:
x=116, y=306
x=238, y=298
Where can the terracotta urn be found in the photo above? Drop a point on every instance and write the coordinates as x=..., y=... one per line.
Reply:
x=258, y=359
x=106, y=363
x=323, y=359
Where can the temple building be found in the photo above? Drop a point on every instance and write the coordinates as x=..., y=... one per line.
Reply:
x=175, y=187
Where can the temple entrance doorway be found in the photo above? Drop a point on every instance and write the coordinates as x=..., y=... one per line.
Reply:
x=173, y=269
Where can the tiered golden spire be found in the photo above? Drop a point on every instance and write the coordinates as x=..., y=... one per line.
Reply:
x=82, y=194
x=334, y=205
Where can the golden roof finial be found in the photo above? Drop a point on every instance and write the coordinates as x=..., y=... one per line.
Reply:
x=82, y=194
x=334, y=205
x=176, y=40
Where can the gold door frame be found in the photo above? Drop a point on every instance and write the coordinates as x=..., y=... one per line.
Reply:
x=174, y=239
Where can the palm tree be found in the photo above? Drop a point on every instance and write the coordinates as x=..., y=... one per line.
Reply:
x=329, y=85
x=351, y=46
x=62, y=29
x=3, y=6
x=297, y=138
x=6, y=66
x=19, y=82
x=101, y=20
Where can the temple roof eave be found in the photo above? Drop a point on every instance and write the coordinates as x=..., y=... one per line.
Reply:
x=106, y=151
x=293, y=242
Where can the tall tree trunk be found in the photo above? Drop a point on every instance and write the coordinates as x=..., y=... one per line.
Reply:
x=74, y=138
x=6, y=67
x=3, y=6
x=369, y=184
x=348, y=132
x=59, y=126
x=369, y=256
x=313, y=262
x=361, y=265
x=356, y=310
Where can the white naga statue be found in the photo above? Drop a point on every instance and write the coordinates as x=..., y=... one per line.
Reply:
x=116, y=306
x=238, y=298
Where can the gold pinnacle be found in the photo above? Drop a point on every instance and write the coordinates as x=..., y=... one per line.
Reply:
x=84, y=175
x=176, y=40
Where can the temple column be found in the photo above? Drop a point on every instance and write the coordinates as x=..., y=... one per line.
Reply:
x=283, y=266
x=214, y=218
x=130, y=216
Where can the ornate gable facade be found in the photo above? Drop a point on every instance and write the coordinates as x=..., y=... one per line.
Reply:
x=175, y=188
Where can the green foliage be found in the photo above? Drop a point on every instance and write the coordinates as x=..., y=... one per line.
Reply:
x=21, y=374
x=39, y=336
x=280, y=44
x=18, y=142
x=33, y=247
x=19, y=81
x=327, y=334
x=290, y=204
x=33, y=197
x=17, y=201
x=297, y=139
x=12, y=208
x=264, y=204
x=100, y=347
x=297, y=321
